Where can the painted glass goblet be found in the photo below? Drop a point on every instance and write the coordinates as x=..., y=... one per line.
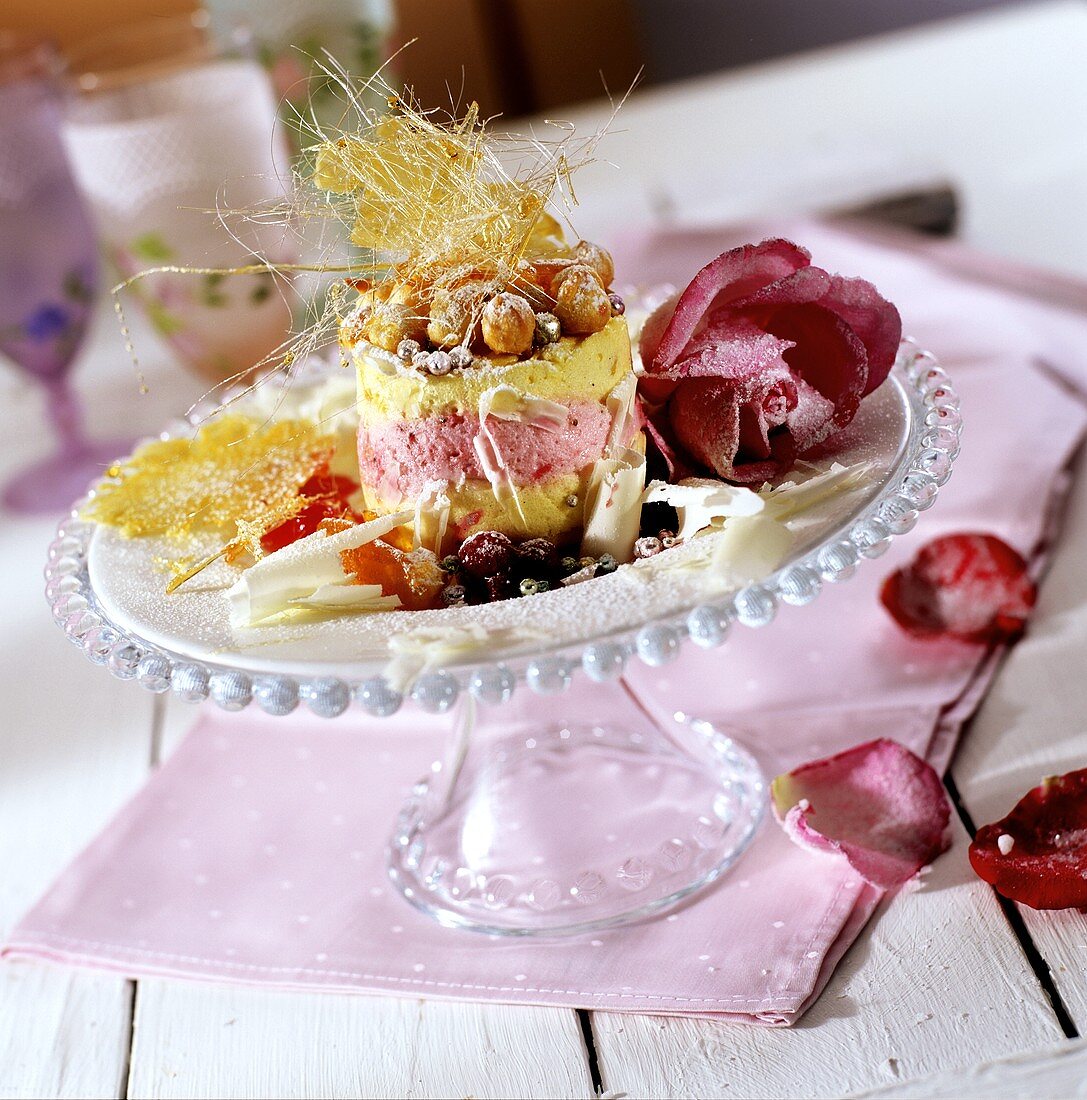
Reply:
x=49, y=274
x=160, y=146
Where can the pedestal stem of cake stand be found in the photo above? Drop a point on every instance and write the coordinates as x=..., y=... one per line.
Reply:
x=566, y=814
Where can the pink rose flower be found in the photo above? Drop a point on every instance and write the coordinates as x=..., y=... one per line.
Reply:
x=762, y=358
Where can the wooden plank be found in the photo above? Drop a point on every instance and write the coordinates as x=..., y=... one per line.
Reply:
x=198, y=1041
x=1033, y=723
x=62, y=1032
x=1059, y=1071
x=73, y=747
x=937, y=981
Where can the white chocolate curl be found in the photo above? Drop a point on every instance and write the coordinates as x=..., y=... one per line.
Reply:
x=432, y=516
x=295, y=575
x=702, y=502
x=749, y=549
x=620, y=403
x=613, y=506
x=422, y=649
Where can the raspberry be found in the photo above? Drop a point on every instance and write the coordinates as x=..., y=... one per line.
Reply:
x=971, y=587
x=486, y=553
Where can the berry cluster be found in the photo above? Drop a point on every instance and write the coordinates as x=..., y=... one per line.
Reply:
x=490, y=566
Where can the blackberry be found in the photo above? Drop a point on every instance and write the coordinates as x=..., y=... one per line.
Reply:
x=538, y=552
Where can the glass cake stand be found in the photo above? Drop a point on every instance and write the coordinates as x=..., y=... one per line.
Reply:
x=560, y=805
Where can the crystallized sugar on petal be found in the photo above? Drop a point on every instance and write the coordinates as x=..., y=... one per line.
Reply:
x=874, y=319
x=1037, y=855
x=972, y=587
x=762, y=358
x=733, y=275
x=730, y=348
x=879, y=805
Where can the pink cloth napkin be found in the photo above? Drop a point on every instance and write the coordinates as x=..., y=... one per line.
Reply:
x=255, y=853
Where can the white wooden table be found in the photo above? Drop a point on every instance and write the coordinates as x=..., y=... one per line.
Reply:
x=946, y=992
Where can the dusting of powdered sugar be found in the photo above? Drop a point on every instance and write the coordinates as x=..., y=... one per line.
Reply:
x=130, y=584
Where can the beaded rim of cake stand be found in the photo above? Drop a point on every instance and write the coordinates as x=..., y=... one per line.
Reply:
x=931, y=449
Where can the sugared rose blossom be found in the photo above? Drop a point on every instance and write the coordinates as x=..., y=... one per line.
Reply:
x=762, y=358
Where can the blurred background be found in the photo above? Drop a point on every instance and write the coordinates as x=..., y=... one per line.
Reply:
x=126, y=124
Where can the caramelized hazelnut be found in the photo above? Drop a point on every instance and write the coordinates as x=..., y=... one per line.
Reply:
x=581, y=302
x=599, y=259
x=453, y=314
x=508, y=324
x=389, y=324
x=548, y=272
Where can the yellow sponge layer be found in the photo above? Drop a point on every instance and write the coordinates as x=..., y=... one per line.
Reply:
x=552, y=509
x=573, y=369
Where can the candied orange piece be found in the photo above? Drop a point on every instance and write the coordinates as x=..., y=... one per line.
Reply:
x=401, y=537
x=414, y=577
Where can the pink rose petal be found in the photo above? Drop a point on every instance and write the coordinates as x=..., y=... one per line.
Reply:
x=879, y=805
x=734, y=274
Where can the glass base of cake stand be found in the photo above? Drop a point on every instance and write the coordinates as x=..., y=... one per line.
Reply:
x=556, y=825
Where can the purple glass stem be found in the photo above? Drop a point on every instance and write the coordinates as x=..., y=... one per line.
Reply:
x=65, y=410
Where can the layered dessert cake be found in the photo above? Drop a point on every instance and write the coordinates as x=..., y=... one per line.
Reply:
x=510, y=438
x=497, y=442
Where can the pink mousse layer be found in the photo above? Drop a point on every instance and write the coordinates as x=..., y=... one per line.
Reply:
x=398, y=457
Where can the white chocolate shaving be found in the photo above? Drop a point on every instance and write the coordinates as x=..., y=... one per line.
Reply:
x=613, y=506
x=702, y=502
x=749, y=549
x=418, y=651
x=620, y=403
x=347, y=597
x=792, y=497
x=508, y=403
x=297, y=571
x=1005, y=842
x=431, y=521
